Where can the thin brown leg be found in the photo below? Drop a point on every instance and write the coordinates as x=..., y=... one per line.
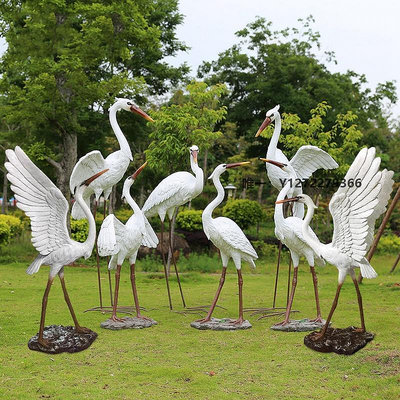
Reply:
x=135, y=295
x=290, y=302
x=78, y=328
x=240, y=320
x=98, y=260
x=321, y=334
x=214, y=303
x=108, y=259
x=114, y=311
x=315, y=282
x=174, y=261
x=360, y=305
x=42, y=341
x=277, y=273
x=165, y=265
x=288, y=281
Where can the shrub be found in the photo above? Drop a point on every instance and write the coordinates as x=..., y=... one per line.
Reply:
x=14, y=223
x=79, y=229
x=123, y=214
x=243, y=212
x=4, y=233
x=199, y=202
x=265, y=250
x=189, y=220
x=389, y=244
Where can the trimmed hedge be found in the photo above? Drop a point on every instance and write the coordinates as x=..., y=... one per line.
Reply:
x=243, y=212
x=189, y=220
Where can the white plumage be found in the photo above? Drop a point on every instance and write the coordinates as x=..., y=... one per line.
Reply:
x=354, y=208
x=116, y=162
x=123, y=241
x=47, y=208
x=305, y=162
x=227, y=236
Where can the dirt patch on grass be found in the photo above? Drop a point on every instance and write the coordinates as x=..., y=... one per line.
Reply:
x=387, y=363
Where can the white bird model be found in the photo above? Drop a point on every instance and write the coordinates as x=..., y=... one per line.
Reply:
x=116, y=162
x=289, y=232
x=47, y=208
x=173, y=191
x=304, y=163
x=228, y=238
x=354, y=207
x=123, y=241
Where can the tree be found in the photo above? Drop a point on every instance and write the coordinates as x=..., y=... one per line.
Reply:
x=283, y=67
x=67, y=60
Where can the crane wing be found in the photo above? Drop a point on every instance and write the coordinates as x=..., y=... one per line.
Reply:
x=234, y=236
x=41, y=200
x=87, y=166
x=310, y=158
x=176, y=185
x=150, y=239
x=112, y=232
x=355, y=209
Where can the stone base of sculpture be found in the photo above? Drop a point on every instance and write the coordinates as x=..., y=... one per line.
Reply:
x=62, y=339
x=224, y=324
x=128, y=323
x=299, y=325
x=341, y=341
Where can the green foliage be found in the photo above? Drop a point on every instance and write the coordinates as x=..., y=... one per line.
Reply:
x=79, y=229
x=25, y=220
x=178, y=126
x=190, y=220
x=389, y=244
x=199, y=203
x=243, y=212
x=266, y=250
x=5, y=233
x=123, y=214
x=14, y=223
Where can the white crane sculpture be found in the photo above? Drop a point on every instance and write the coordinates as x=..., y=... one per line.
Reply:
x=116, y=162
x=123, y=241
x=228, y=238
x=173, y=191
x=47, y=208
x=289, y=232
x=355, y=207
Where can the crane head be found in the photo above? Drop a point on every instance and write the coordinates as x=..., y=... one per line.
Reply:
x=301, y=198
x=194, y=151
x=223, y=167
x=130, y=179
x=269, y=117
x=129, y=105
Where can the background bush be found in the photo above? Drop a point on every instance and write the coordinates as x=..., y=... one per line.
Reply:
x=4, y=233
x=14, y=223
x=189, y=220
x=389, y=244
x=243, y=212
x=79, y=229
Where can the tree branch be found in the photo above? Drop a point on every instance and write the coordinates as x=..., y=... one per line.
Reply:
x=55, y=164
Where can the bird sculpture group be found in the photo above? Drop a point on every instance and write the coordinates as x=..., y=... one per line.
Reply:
x=354, y=209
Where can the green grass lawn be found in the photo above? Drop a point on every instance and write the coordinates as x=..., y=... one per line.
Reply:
x=173, y=360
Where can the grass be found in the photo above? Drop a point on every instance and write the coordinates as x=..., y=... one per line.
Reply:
x=174, y=361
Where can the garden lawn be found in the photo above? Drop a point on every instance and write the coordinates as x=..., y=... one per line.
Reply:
x=174, y=361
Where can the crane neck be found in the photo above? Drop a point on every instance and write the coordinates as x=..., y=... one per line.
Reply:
x=273, y=144
x=123, y=143
x=132, y=203
x=279, y=216
x=198, y=172
x=311, y=241
x=207, y=213
x=90, y=240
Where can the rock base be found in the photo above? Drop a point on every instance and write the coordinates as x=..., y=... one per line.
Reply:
x=299, y=325
x=224, y=324
x=62, y=339
x=128, y=323
x=341, y=341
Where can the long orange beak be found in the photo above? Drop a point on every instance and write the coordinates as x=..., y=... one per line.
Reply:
x=91, y=179
x=237, y=164
x=287, y=200
x=137, y=110
x=266, y=122
x=277, y=163
x=138, y=171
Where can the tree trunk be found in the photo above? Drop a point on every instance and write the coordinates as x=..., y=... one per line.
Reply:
x=259, y=193
x=141, y=196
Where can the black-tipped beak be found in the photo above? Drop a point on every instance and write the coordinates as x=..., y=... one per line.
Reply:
x=137, y=110
x=287, y=200
x=139, y=170
x=277, y=163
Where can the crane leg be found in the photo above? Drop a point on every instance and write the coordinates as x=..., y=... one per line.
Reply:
x=135, y=295
x=290, y=302
x=41, y=340
x=288, y=281
x=174, y=261
x=321, y=334
x=78, y=328
x=277, y=273
x=98, y=260
x=360, y=305
x=240, y=320
x=165, y=264
x=114, y=310
x=214, y=303
x=108, y=259
x=315, y=282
